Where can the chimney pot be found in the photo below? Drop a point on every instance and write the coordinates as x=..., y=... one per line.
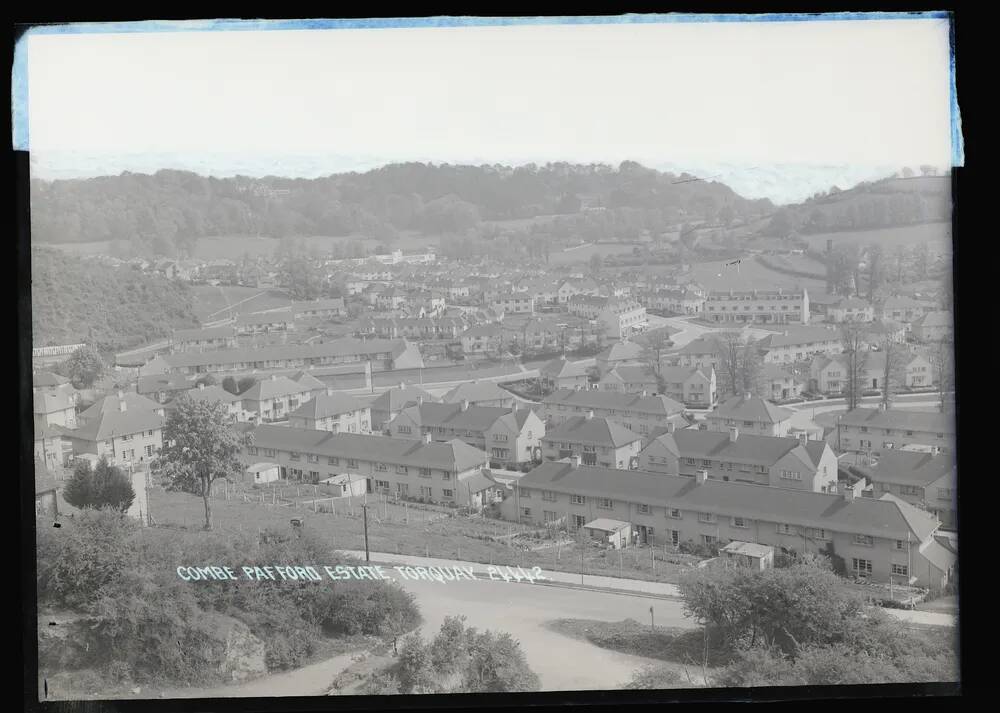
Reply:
x=734, y=434
x=701, y=476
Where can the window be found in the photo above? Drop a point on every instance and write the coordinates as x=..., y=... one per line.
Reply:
x=785, y=529
x=149, y=451
x=818, y=534
x=900, y=570
x=294, y=456
x=706, y=517
x=499, y=436
x=314, y=475
x=525, y=512
x=381, y=484
x=403, y=429
x=739, y=522
x=333, y=461
x=709, y=539
x=864, y=540
x=351, y=463
x=604, y=503
x=251, y=450
x=525, y=493
x=643, y=508
x=675, y=513
x=549, y=516
x=425, y=472
x=900, y=544
x=548, y=495
x=381, y=467
x=445, y=475
x=791, y=475
x=313, y=458
x=577, y=499
x=861, y=566
x=269, y=452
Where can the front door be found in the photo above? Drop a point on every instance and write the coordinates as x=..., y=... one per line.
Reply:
x=284, y=473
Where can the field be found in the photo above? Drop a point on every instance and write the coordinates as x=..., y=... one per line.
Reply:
x=211, y=303
x=749, y=275
x=431, y=530
x=583, y=255
x=936, y=235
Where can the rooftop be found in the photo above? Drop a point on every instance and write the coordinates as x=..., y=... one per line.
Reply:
x=596, y=431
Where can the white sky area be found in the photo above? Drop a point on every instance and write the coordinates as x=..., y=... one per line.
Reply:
x=849, y=92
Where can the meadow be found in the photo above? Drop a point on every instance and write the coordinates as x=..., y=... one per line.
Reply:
x=937, y=235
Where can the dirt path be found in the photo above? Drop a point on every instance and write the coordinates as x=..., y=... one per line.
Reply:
x=312, y=680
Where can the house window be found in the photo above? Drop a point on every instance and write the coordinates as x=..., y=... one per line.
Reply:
x=900, y=570
x=785, y=529
x=333, y=461
x=525, y=493
x=251, y=450
x=351, y=463
x=548, y=495
x=643, y=508
x=577, y=499
x=675, y=513
x=709, y=539
x=149, y=451
x=313, y=458
x=706, y=517
x=269, y=452
x=604, y=503
x=381, y=467
x=739, y=522
x=403, y=429
x=791, y=475
x=818, y=534
x=549, y=516
x=861, y=566
x=864, y=540
x=525, y=512
x=900, y=545
x=294, y=456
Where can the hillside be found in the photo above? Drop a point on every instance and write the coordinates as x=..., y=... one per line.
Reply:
x=169, y=211
x=75, y=301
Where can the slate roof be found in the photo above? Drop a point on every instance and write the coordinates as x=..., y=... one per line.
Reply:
x=307, y=381
x=455, y=455
x=910, y=468
x=902, y=419
x=594, y=399
x=747, y=448
x=563, y=368
x=104, y=419
x=325, y=405
x=474, y=418
x=754, y=408
x=190, y=335
x=473, y=391
x=596, y=431
x=396, y=398
x=884, y=517
x=273, y=389
x=621, y=351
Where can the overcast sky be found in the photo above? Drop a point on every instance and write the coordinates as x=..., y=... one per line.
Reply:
x=866, y=92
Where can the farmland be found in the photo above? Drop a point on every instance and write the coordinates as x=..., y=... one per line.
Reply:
x=936, y=235
x=210, y=301
x=583, y=254
x=749, y=275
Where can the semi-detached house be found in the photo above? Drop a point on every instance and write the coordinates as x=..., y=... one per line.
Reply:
x=927, y=480
x=598, y=441
x=393, y=466
x=642, y=413
x=760, y=460
x=875, y=430
x=876, y=538
x=750, y=414
x=127, y=428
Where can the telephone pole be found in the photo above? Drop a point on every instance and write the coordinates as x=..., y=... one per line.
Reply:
x=364, y=509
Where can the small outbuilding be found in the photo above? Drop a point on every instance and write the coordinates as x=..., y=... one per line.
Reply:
x=749, y=554
x=263, y=473
x=615, y=533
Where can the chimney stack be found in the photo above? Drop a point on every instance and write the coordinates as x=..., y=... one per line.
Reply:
x=575, y=460
x=645, y=393
x=734, y=434
x=671, y=427
x=803, y=438
x=701, y=476
x=465, y=404
x=427, y=437
x=846, y=492
x=590, y=415
x=329, y=391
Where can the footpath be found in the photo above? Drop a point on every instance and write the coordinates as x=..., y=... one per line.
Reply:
x=617, y=585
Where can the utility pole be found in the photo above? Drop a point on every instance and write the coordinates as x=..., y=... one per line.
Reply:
x=364, y=508
x=652, y=623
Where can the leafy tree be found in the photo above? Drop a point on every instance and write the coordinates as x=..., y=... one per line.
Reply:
x=595, y=263
x=102, y=487
x=245, y=383
x=380, y=684
x=450, y=646
x=655, y=677
x=84, y=367
x=200, y=447
x=416, y=673
x=207, y=380
x=496, y=665
x=230, y=385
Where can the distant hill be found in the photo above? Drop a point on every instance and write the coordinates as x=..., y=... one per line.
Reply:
x=888, y=203
x=113, y=308
x=166, y=212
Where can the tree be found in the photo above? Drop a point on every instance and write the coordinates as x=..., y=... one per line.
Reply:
x=416, y=674
x=855, y=344
x=84, y=367
x=595, y=263
x=207, y=380
x=450, y=647
x=654, y=345
x=739, y=364
x=230, y=385
x=497, y=665
x=200, y=447
x=875, y=259
x=245, y=383
x=893, y=369
x=942, y=359
x=102, y=487
x=380, y=684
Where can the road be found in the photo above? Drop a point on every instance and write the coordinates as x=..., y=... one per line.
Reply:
x=689, y=331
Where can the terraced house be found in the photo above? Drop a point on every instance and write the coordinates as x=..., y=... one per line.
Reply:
x=127, y=428
x=875, y=431
x=643, y=413
x=405, y=468
x=794, y=463
x=282, y=320
x=598, y=441
x=511, y=436
x=386, y=354
x=693, y=386
x=232, y=403
x=186, y=340
x=799, y=343
x=274, y=399
x=777, y=306
x=876, y=538
x=927, y=480
x=391, y=401
x=479, y=393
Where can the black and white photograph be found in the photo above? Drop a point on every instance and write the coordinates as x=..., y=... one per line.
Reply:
x=455, y=355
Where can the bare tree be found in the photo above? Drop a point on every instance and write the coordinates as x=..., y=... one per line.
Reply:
x=876, y=257
x=730, y=350
x=942, y=362
x=893, y=370
x=654, y=345
x=750, y=368
x=855, y=343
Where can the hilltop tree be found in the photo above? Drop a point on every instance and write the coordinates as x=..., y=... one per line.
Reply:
x=200, y=448
x=855, y=344
x=102, y=487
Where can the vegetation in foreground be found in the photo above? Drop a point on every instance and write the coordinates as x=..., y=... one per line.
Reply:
x=799, y=625
x=130, y=618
